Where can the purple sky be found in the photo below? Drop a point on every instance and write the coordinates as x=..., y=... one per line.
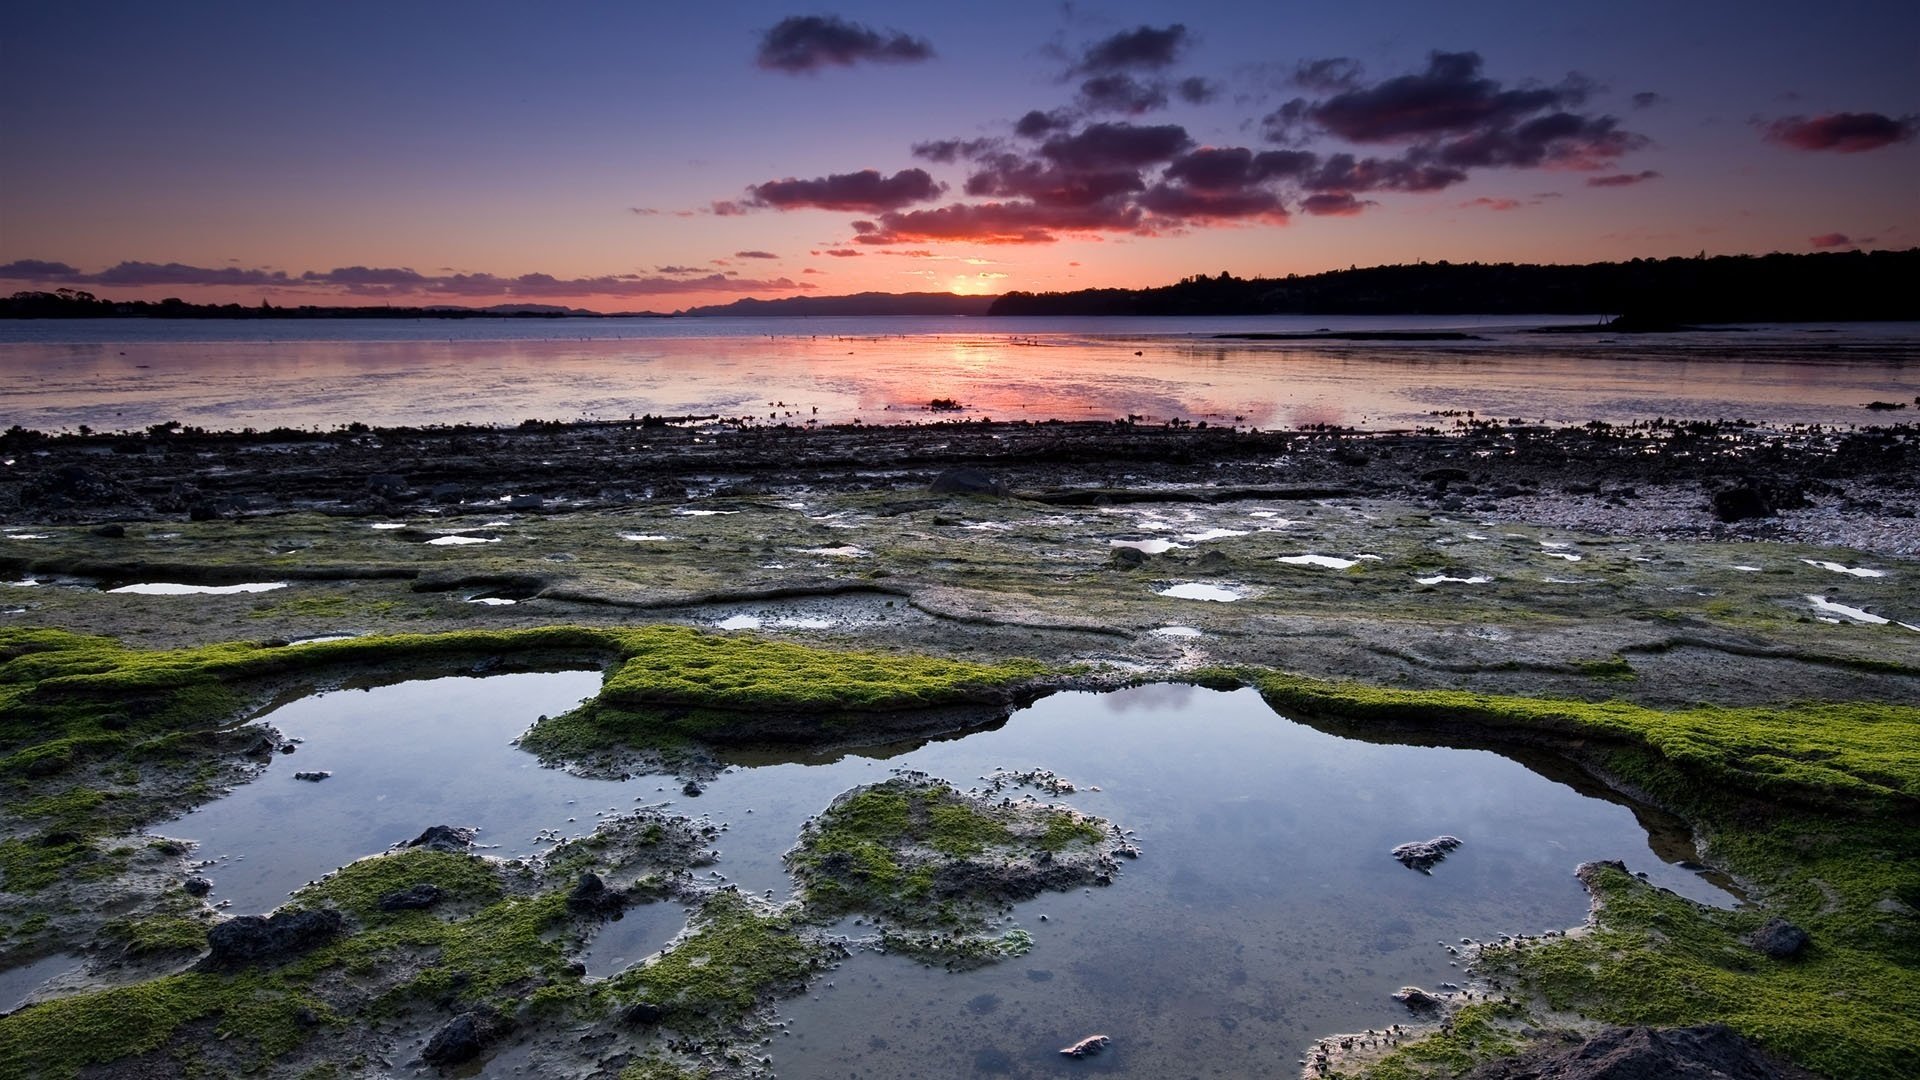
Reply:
x=637, y=156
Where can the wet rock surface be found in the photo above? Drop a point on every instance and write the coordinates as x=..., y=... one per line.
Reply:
x=1709, y=1052
x=1424, y=855
x=465, y=1037
x=1780, y=939
x=448, y=838
x=265, y=940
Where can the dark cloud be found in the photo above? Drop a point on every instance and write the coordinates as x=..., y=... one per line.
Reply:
x=37, y=270
x=1647, y=99
x=1036, y=123
x=811, y=270
x=1842, y=133
x=755, y=255
x=726, y=208
x=368, y=281
x=1345, y=173
x=843, y=253
x=1236, y=167
x=998, y=223
x=1048, y=184
x=1831, y=240
x=1492, y=204
x=1116, y=146
x=1327, y=76
x=1122, y=93
x=1450, y=97
x=1192, y=204
x=1338, y=204
x=1560, y=138
x=677, y=270
x=1142, y=47
x=1623, y=179
x=865, y=191
x=948, y=151
x=1196, y=90
x=643, y=211
x=807, y=43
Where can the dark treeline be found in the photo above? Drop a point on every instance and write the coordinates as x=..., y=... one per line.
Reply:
x=1830, y=286
x=75, y=304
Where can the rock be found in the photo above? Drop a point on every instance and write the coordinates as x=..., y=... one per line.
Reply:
x=313, y=776
x=462, y=1038
x=109, y=531
x=387, y=484
x=1213, y=561
x=691, y=789
x=444, y=838
x=447, y=492
x=1444, y=475
x=1092, y=1044
x=1417, y=999
x=1708, y=1052
x=590, y=895
x=268, y=939
x=413, y=897
x=197, y=886
x=1127, y=558
x=642, y=1012
x=966, y=481
x=1424, y=855
x=1740, y=503
x=1780, y=939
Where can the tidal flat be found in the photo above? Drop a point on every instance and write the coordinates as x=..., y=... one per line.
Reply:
x=710, y=751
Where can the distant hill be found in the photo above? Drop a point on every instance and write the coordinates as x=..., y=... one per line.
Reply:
x=1828, y=286
x=866, y=303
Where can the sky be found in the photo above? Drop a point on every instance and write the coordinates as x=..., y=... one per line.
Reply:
x=632, y=156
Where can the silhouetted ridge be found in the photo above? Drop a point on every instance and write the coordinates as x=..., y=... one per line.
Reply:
x=1665, y=293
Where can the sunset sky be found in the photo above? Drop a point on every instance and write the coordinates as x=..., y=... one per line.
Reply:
x=639, y=156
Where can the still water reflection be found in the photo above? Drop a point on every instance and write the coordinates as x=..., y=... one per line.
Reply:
x=1265, y=911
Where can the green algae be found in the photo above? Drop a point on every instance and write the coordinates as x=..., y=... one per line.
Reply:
x=917, y=852
x=736, y=956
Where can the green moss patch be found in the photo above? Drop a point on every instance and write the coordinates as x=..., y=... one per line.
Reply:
x=921, y=854
x=737, y=956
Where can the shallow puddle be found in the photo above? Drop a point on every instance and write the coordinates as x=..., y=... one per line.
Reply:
x=461, y=541
x=638, y=933
x=1198, y=590
x=1439, y=579
x=1266, y=910
x=169, y=588
x=1841, y=568
x=1146, y=547
x=1821, y=603
x=1328, y=562
x=20, y=983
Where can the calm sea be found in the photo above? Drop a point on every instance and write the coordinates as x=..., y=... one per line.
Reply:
x=127, y=374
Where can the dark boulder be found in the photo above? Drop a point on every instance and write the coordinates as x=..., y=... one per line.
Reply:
x=447, y=838
x=642, y=1012
x=1417, y=999
x=197, y=886
x=464, y=1037
x=413, y=897
x=269, y=939
x=590, y=895
x=1780, y=939
x=967, y=481
x=1127, y=558
x=1424, y=855
x=1708, y=1052
x=109, y=531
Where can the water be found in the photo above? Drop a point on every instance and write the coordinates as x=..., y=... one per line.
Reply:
x=1265, y=912
x=128, y=374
